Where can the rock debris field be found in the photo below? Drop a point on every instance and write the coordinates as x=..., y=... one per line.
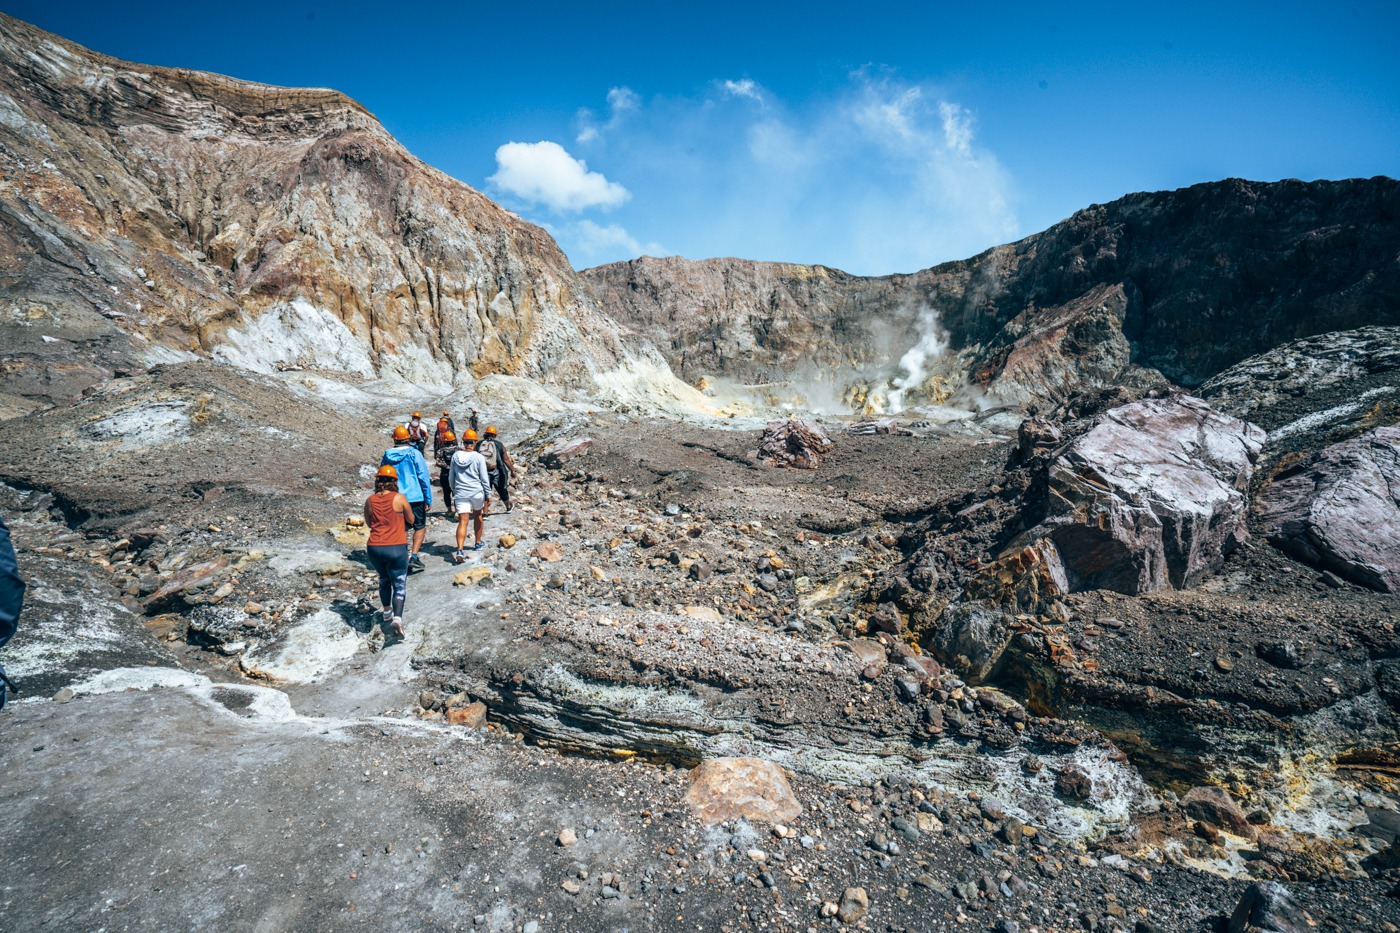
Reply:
x=943, y=680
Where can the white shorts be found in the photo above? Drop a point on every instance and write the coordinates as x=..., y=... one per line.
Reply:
x=468, y=506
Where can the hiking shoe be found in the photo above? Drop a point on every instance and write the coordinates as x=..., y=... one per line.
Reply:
x=415, y=563
x=397, y=626
x=478, y=546
x=458, y=556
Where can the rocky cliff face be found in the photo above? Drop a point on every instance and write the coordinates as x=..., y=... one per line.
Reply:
x=149, y=213
x=1184, y=282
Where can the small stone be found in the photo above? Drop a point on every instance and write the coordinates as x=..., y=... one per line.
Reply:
x=567, y=837
x=532, y=927
x=1224, y=664
x=507, y=541
x=597, y=574
x=855, y=904
x=254, y=609
x=609, y=892
x=62, y=696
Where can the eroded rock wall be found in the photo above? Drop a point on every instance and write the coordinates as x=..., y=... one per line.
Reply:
x=1185, y=283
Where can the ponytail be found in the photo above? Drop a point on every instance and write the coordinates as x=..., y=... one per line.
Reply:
x=384, y=483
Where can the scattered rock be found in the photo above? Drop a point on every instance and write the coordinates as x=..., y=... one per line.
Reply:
x=567, y=838
x=855, y=904
x=1213, y=805
x=473, y=716
x=549, y=552
x=507, y=541
x=472, y=577
x=561, y=453
x=724, y=789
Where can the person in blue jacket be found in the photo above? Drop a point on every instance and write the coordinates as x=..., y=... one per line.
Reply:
x=415, y=485
x=11, y=599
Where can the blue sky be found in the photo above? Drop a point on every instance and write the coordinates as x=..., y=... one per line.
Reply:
x=872, y=137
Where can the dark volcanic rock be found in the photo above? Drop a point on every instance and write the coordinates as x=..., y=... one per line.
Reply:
x=1268, y=907
x=1340, y=509
x=1153, y=496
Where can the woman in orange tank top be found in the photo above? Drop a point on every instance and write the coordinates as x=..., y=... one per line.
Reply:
x=388, y=514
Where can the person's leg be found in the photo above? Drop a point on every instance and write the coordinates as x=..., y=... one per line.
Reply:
x=400, y=585
x=462, y=519
x=386, y=587
x=503, y=488
x=420, y=526
x=478, y=525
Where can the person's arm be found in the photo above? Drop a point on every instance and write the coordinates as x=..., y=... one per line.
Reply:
x=367, y=514
x=505, y=458
x=404, y=508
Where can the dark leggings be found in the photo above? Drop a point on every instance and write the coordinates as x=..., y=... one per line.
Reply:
x=391, y=562
x=500, y=481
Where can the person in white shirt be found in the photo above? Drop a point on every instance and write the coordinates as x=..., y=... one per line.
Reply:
x=471, y=491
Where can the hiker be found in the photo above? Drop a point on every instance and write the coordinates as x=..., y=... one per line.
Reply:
x=471, y=491
x=498, y=465
x=388, y=515
x=418, y=432
x=415, y=486
x=444, y=447
x=445, y=426
x=475, y=421
x=11, y=600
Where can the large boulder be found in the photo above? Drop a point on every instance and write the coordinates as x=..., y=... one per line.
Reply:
x=1152, y=496
x=1340, y=509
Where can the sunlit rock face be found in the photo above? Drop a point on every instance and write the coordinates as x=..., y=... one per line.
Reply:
x=151, y=214
x=1179, y=284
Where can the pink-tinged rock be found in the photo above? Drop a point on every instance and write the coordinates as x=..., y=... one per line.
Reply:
x=1153, y=497
x=724, y=789
x=190, y=577
x=564, y=451
x=796, y=443
x=1340, y=510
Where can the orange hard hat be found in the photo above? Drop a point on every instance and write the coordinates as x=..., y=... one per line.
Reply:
x=470, y=435
x=417, y=415
x=447, y=414
x=387, y=472
x=491, y=430
x=449, y=437
x=400, y=433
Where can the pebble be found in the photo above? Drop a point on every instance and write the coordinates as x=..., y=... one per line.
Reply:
x=532, y=927
x=567, y=838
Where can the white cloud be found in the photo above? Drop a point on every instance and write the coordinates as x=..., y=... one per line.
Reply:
x=745, y=87
x=621, y=101
x=544, y=173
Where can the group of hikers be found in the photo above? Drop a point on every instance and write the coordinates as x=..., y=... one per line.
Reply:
x=471, y=468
